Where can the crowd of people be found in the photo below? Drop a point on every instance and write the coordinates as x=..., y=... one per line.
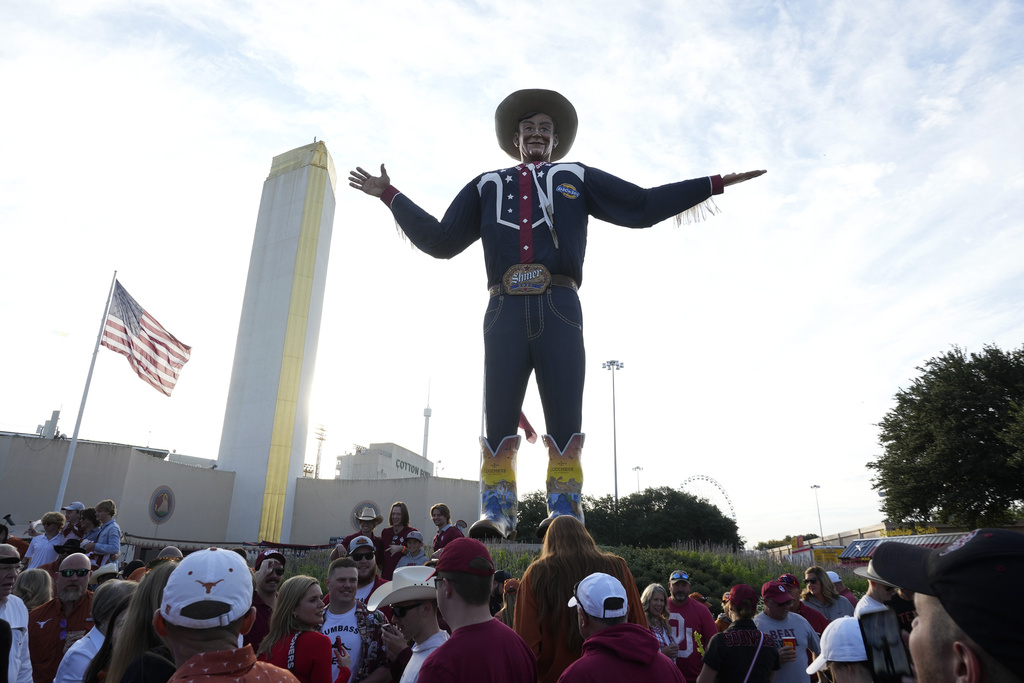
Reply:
x=387, y=610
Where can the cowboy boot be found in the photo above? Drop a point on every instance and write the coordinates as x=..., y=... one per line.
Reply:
x=498, y=505
x=565, y=480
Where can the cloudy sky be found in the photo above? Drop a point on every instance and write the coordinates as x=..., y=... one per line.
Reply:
x=760, y=347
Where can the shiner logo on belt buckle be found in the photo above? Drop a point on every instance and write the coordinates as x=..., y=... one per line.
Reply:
x=526, y=278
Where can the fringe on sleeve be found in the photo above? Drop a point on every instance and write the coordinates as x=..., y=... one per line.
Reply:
x=698, y=213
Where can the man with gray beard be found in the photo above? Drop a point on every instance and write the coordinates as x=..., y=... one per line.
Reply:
x=54, y=626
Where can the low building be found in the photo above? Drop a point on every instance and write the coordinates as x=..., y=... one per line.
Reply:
x=166, y=499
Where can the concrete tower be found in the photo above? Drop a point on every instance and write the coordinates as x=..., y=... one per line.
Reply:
x=267, y=414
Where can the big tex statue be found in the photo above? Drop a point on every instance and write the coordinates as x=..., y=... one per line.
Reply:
x=532, y=220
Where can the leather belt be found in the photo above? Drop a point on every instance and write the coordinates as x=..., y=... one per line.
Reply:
x=556, y=281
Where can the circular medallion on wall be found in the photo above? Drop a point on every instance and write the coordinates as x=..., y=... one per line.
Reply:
x=161, y=505
x=365, y=507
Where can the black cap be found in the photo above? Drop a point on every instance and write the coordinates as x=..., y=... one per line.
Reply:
x=985, y=559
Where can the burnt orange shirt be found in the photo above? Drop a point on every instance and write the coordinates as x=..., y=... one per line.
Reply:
x=51, y=633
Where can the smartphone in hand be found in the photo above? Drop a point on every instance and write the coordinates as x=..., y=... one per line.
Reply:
x=883, y=640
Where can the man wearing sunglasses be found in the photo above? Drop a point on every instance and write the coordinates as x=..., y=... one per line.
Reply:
x=879, y=592
x=269, y=570
x=55, y=625
x=413, y=600
x=688, y=619
x=362, y=552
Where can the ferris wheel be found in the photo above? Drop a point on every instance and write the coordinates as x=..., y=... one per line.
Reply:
x=704, y=487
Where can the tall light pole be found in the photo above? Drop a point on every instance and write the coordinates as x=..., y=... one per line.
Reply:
x=614, y=365
x=638, y=470
x=817, y=505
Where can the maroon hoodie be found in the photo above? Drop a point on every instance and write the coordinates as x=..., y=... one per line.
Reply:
x=626, y=652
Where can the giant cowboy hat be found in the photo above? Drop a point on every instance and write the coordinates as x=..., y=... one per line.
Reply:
x=521, y=102
x=409, y=583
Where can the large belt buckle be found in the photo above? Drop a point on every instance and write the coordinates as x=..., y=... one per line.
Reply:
x=526, y=278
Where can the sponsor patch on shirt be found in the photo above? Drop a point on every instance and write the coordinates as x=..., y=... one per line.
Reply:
x=568, y=191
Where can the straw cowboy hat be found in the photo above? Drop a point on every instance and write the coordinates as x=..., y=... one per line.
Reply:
x=367, y=514
x=555, y=105
x=409, y=583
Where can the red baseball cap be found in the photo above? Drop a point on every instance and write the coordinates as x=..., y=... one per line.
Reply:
x=741, y=595
x=775, y=590
x=269, y=554
x=466, y=556
x=790, y=580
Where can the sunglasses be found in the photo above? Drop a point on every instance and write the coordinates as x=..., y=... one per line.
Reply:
x=362, y=556
x=679, y=576
x=810, y=580
x=68, y=573
x=401, y=610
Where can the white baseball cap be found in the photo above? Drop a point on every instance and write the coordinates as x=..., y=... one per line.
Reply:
x=841, y=641
x=601, y=596
x=834, y=577
x=216, y=576
x=359, y=542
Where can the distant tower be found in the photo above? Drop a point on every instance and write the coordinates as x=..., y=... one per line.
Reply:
x=426, y=422
x=267, y=414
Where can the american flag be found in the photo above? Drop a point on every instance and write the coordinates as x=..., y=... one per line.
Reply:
x=153, y=352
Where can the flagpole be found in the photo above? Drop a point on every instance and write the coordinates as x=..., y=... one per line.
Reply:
x=81, y=409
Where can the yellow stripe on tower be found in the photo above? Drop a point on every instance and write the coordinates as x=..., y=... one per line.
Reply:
x=272, y=518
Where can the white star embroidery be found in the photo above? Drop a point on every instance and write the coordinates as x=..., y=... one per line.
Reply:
x=508, y=179
x=525, y=197
x=510, y=196
x=541, y=174
x=510, y=210
x=524, y=172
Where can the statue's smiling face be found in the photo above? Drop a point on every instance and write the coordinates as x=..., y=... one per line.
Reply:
x=536, y=138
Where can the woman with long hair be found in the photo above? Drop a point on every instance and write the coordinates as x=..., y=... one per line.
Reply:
x=655, y=602
x=510, y=593
x=34, y=587
x=568, y=556
x=392, y=539
x=819, y=593
x=294, y=641
x=140, y=655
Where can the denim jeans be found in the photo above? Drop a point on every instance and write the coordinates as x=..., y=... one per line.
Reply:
x=541, y=333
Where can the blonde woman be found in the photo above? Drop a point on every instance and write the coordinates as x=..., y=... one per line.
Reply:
x=41, y=550
x=34, y=587
x=820, y=594
x=294, y=641
x=655, y=601
x=139, y=653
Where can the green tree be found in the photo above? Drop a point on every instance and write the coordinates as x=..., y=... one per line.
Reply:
x=954, y=443
x=657, y=518
x=531, y=512
x=653, y=518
